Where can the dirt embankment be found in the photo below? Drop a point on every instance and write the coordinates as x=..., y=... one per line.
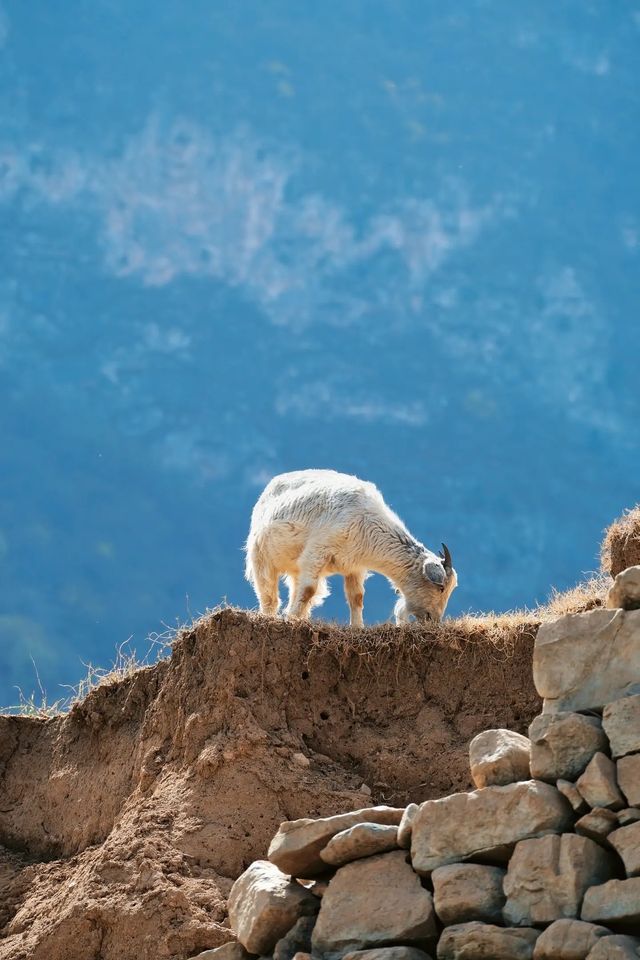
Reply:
x=124, y=823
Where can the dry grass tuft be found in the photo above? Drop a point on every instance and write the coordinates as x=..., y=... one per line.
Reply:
x=621, y=545
x=125, y=664
x=584, y=596
x=35, y=705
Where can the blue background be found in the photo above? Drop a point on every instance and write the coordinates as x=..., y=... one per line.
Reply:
x=396, y=238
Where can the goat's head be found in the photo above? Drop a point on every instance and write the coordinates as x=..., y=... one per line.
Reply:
x=427, y=591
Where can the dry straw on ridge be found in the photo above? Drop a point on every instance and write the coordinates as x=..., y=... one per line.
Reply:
x=494, y=635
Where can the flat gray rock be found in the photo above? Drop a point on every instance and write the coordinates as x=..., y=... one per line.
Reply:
x=297, y=844
x=626, y=843
x=621, y=722
x=573, y=795
x=568, y=940
x=597, y=824
x=481, y=941
x=628, y=771
x=617, y=901
x=388, y=953
x=617, y=947
x=628, y=815
x=583, y=661
x=599, y=784
x=548, y=878
x=562, y=744
x=374, y=902
x=485, y=824
x=625, y=592
x=363, y=840
x=463, y=892
x=264, y=904
x=498, y=757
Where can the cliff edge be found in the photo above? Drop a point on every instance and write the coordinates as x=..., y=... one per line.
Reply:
x=124, y=823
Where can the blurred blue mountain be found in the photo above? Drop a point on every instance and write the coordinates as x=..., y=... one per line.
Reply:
x=396, y=238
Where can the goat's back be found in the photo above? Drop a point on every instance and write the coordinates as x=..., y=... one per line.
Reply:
x=305, y=496
x=343, y=513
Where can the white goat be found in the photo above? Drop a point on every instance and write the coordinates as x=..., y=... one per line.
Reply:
x=310, y=524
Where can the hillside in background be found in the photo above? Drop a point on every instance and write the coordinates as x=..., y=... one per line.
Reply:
x=393, y=239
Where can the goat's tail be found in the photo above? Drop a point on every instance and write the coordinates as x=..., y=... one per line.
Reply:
x=251, y=549
x=257, y=558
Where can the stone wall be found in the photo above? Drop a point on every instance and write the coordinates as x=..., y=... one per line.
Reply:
x=541, y=860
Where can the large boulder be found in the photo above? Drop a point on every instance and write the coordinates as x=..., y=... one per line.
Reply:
x=497, y=757
x=481, y=941
x=264, y=904
x=363, y=840
x=621, y=722
x=468, y=891
x=485, y=824
x=388, y=953
x=628, y=771
x=568, y=940
x=597, y=824
x=626, y=843
x=618, y=947
x=583, y=661
x=562, y=744
x=297, y=844
x=625, y=592
x=373, y=903
x=547, y=878
x=599, y=785
x=615, y=902
x=296, y=940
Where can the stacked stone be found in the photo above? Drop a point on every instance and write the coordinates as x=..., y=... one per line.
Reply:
x=540, y=862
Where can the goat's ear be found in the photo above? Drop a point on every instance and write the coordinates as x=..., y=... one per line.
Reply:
x=434, y=572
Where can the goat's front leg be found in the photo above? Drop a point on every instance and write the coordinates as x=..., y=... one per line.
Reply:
x=305, y=589
x=354, y=592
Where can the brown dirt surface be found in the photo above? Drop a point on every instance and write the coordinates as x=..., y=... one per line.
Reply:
x=621, y=545
x=124, y=822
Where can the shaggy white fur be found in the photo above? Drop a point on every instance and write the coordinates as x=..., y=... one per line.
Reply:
x=310, y=524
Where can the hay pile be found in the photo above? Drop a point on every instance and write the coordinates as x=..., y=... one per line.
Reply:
x=621, y=545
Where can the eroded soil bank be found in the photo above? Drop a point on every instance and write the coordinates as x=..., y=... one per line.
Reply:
x=124, y=823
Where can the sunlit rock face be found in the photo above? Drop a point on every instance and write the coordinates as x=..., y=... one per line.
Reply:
x=402, y=243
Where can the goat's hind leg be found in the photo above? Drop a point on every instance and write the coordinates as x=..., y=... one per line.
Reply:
x=266, y=587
